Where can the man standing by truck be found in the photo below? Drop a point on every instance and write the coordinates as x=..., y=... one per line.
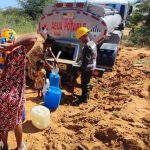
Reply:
x=88, y=58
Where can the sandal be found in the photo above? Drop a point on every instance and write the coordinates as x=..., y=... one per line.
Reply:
x=23, y=147
x=1, y=144
x=5, y=148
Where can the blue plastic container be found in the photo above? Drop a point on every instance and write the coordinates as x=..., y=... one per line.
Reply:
x=54, y=79
x=52, y=97
x=2, y=40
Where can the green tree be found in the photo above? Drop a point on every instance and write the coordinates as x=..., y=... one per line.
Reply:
x=34, y=7
x=16, y=19
x=142, y=14
x=140, y=22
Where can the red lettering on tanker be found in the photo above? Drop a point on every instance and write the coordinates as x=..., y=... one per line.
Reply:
x=57, y=25
x=67, y=25
x=71, y=26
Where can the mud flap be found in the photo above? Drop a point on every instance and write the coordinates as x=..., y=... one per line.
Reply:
x=106, y=56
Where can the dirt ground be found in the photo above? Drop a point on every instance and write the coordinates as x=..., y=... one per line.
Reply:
x=117, y=116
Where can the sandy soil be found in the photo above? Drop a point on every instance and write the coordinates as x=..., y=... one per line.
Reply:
x=117, y=116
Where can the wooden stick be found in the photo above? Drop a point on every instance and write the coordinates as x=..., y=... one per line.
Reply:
x=50, y=66
x=55, y=60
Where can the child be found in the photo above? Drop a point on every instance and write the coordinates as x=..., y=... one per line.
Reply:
x=40, y=77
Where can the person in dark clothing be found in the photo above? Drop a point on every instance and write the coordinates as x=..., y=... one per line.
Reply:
x=88, y=59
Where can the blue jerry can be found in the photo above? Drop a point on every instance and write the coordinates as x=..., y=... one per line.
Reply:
x=52, y=97
x=54, y=79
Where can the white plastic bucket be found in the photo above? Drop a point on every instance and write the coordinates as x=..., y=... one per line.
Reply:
x=40, y=117
x=46, y=86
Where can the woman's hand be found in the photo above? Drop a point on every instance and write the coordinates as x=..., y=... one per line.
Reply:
x=6, y=47
x=1, y=48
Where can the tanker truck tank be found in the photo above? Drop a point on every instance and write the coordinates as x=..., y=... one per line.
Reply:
x=120, y=5
x=112, y=21
x=62, y=23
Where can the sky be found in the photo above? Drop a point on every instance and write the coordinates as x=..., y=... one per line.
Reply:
x=8, y=3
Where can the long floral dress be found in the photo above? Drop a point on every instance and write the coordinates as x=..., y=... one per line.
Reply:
x=12, y=88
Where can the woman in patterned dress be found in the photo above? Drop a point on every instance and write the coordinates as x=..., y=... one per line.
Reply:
x=12, y=88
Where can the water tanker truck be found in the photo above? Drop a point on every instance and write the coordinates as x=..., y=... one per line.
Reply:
x=106, y=23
